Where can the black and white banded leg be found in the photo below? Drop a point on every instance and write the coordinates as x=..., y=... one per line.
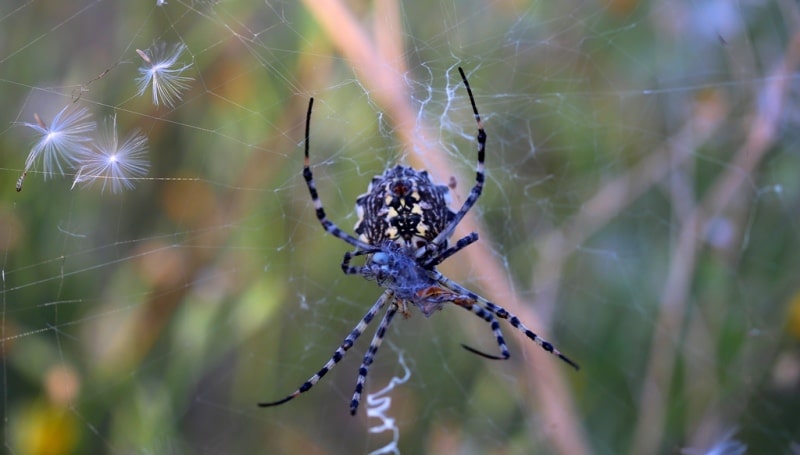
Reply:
x=487, y=316
x=369, y=357
x=340, y=352
x=348, y=256
x=502, y=313
x=462, y=243
x=480, y=172
x=327, y=224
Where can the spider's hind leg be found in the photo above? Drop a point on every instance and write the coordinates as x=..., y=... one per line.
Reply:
x=308, y=176
x=480, y=169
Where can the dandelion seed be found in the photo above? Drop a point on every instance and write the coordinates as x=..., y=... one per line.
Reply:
x=64, y=140
x=113, y=162
x=162, y=72
x=20, y=180
x=725, y=445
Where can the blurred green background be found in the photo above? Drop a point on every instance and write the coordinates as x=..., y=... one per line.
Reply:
x=641, y=212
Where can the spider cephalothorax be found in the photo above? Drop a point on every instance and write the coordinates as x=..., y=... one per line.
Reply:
x=404, y=225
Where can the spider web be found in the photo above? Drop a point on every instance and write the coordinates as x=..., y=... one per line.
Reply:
x=640, y=212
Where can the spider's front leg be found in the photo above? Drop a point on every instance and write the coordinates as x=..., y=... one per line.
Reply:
x=369, y=357
x=339, y=353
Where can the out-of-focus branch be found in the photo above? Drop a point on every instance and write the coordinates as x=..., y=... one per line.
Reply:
x=557, y=245
x=674, y=300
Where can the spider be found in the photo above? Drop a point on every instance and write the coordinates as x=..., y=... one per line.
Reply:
x=403, y=230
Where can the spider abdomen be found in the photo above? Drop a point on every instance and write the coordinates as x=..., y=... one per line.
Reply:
x=403, y=206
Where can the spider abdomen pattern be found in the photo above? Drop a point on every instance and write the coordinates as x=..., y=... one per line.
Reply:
x=404, y=206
